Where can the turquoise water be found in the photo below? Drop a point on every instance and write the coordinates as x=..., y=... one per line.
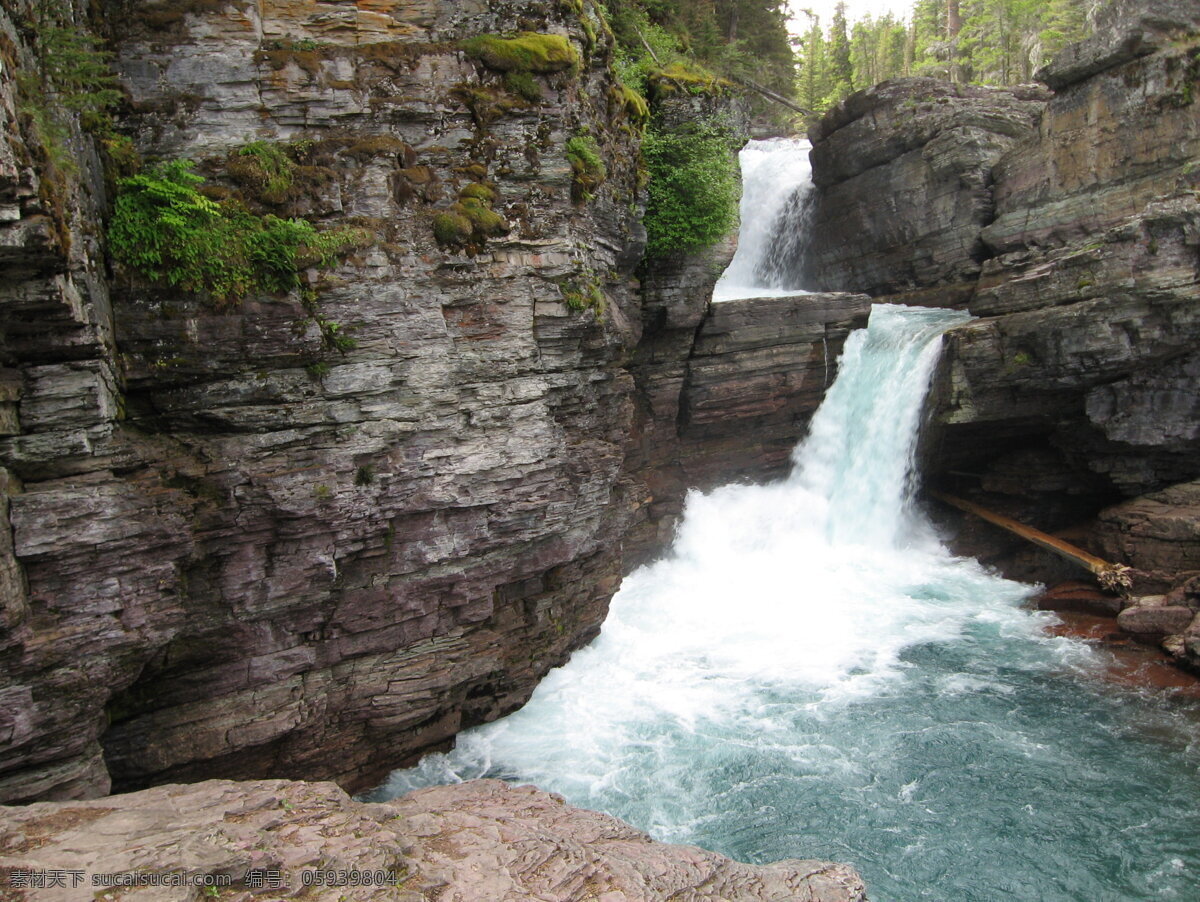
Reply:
x=809, y=673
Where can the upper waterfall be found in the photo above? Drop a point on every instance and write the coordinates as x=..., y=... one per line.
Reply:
x=776, y=181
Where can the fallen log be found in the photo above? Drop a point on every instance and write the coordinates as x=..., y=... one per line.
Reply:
x=1113, y=577
x=772, y=95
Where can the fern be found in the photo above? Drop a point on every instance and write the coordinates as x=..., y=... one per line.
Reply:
x=166, y=230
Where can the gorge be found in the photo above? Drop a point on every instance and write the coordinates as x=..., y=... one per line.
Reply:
x=314, y=534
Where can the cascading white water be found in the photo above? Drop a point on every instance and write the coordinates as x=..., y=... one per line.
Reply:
x=776, y=178
x=809, y=674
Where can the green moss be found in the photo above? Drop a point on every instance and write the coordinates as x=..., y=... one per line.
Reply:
x=470, y=221
x=378, y=146
x=479, y=191
x=686, y=76
x=486, y=104
x=634, y=104
x=485, y=222
x=452, y=227
x=523, y=85
x=527, y=52
x=587, y=167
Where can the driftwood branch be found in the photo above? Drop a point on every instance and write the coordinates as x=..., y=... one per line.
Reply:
x=744, y=82
x=1114, y=577
x=771, y=95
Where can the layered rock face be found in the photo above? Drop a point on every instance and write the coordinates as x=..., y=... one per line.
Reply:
x=436, y=843
x=1072, y=231
x=315, y=534
x=244, y=545
x=904, y=178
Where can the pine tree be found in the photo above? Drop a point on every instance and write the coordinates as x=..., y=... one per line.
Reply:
x=840, y=68
x=814, y=84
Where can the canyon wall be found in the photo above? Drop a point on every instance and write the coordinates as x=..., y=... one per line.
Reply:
x=244, y=545
x=314, y=534
x=1069, y=224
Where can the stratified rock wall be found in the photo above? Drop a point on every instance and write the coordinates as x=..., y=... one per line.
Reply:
x=250, y=551
x=904, y=178
x=316, y=534
x=1090, y=324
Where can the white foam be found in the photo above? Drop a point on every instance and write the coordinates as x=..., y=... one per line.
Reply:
x=802, y=596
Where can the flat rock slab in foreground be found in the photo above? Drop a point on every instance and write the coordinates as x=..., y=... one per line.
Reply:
x=483, y=840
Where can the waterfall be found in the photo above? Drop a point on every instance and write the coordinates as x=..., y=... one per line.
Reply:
x=776, y=186
x=809, y=674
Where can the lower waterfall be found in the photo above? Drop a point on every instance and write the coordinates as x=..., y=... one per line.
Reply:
x=810, y=674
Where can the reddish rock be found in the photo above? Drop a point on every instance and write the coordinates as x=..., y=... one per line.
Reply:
x=1155, y=621
x=1077, y=596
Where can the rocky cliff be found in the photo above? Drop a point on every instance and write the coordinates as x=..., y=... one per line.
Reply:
x=314, y=533
x=1070, y=225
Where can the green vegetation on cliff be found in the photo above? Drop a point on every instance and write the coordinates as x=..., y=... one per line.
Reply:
x=167, y=231
x=527, y=52
x=693, y=187
x=737, y=38
x=676, y=49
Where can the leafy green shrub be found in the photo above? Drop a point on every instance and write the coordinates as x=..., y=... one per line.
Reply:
x=166, y=230
x=693, y=187
x=587, y=167
x=527, y=52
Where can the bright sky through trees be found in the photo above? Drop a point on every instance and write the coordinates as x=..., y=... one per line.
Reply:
x=855, y=10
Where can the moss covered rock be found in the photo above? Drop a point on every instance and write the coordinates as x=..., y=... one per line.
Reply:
x=527, y=52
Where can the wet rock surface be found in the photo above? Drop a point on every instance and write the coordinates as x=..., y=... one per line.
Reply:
x=478, y=840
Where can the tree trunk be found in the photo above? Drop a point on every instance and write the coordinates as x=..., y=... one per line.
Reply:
x=953, y=19
x=1114, y=577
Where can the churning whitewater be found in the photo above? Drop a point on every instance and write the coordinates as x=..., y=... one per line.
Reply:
x=776, y=182
x=809, y=673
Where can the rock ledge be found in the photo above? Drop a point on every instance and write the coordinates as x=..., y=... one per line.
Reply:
x=479, y=840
